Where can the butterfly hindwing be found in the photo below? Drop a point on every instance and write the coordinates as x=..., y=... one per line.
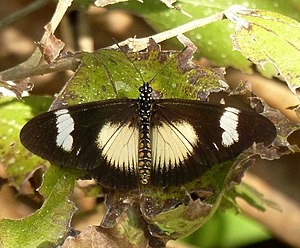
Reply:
x=99, y=137
x=189, y=137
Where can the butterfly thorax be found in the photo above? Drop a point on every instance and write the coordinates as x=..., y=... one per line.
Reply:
x=144, y=161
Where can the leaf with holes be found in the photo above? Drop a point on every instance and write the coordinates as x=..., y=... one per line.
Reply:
x=268, y=37
x=108, y=74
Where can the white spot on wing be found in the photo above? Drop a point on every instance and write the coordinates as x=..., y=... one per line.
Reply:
x=172, y=143
x=229, y=123
x=119, y=145
x=64, y=125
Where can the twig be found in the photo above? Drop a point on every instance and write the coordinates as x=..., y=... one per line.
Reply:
x=141, y=44
x=35, y=58
x=70, y=63
x=23, y=12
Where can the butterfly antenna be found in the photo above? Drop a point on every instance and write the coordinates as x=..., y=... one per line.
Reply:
x=135, y=67
x=169, y=62
x=110, y=78
x=158, y=72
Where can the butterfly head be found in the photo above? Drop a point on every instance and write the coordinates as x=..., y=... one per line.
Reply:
x=145, y=89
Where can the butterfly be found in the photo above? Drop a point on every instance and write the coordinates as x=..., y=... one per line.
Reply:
x=132, y=143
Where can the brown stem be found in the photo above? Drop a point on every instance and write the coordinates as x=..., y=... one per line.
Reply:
x=21, y=72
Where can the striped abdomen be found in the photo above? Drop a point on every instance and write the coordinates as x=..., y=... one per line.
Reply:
x=145, y=161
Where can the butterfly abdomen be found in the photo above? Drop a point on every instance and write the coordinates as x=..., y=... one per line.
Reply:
x=145, y=160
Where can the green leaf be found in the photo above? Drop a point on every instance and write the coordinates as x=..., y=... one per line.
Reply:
x=268, y=37
x=108, y=74
x=48, y=225
x=213, y=41
x=13, y=115
x=249, y=194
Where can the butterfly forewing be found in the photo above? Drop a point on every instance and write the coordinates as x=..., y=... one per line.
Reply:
x=189, y=137
x=99, y=137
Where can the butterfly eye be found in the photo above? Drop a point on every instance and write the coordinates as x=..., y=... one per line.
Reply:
x=149, y=89
x=141, y=89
